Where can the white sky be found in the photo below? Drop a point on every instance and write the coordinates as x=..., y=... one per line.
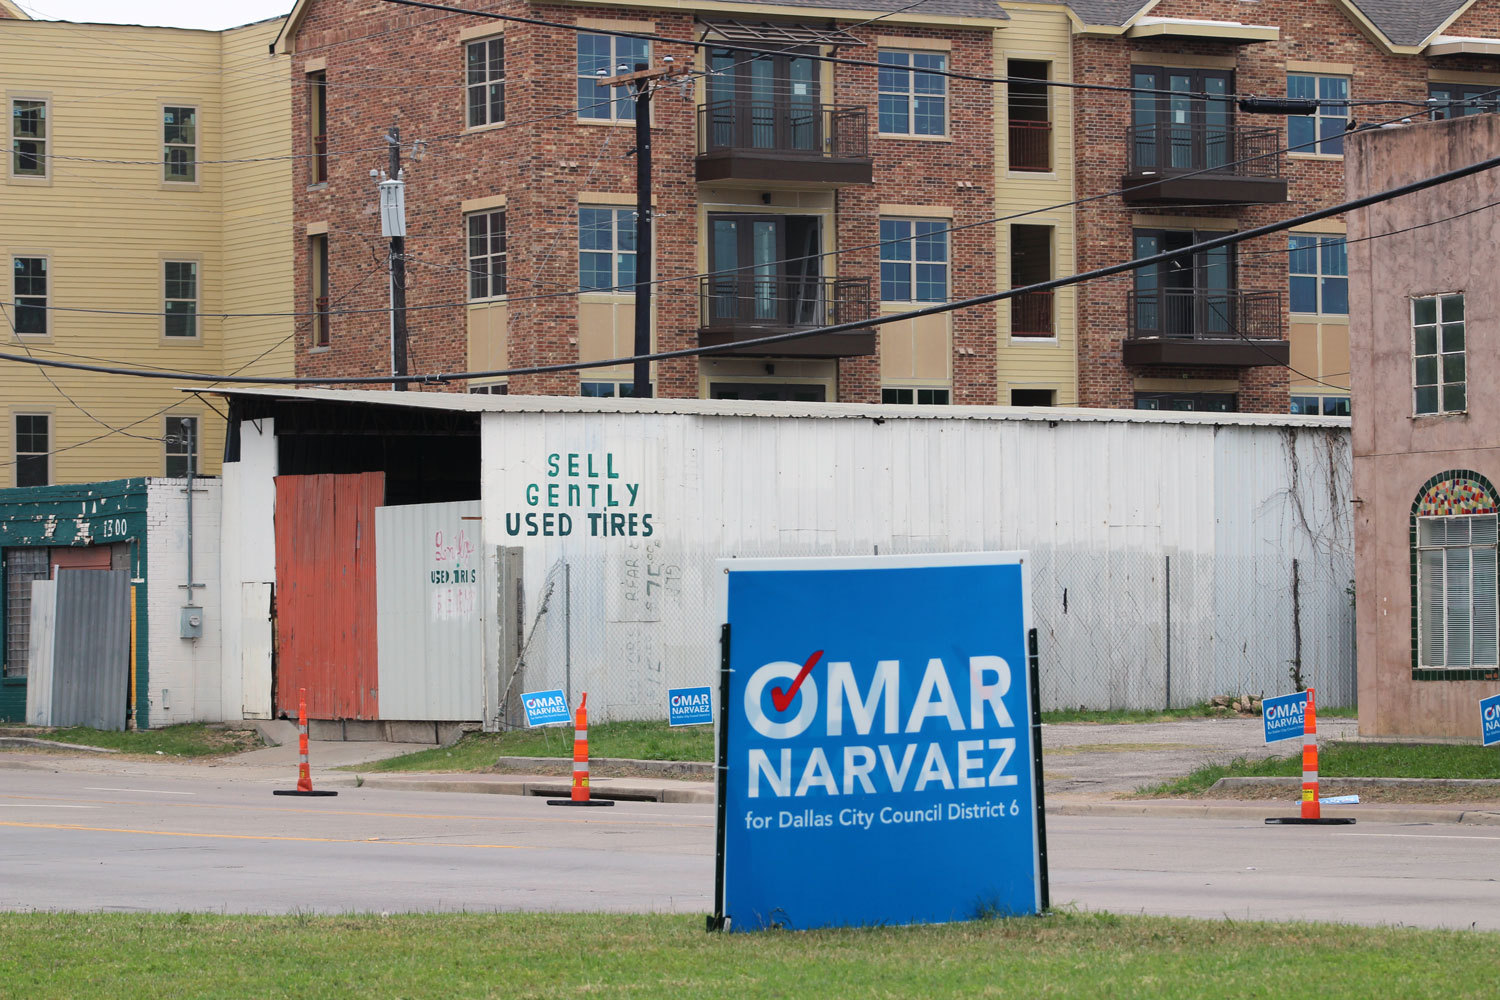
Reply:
x=166, y=13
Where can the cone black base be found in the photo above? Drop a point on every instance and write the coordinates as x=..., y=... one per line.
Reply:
x=590, y=802
x=1299, y=821
x=295, y=791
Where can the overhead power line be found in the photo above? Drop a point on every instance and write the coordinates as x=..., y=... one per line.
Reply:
x=1229, y=239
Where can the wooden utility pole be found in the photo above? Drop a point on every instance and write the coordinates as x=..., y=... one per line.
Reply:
x=641, y=83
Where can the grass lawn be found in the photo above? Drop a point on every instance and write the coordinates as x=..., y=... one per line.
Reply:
x=190, y=740
x=1347, y=760
x=1204, y=711
x=634, y=740
x=85, y=956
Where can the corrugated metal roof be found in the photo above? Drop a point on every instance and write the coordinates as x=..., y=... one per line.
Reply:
x=481, y=403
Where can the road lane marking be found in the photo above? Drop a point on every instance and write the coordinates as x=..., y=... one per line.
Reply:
x=1423, y=836
x=153, y=791
x=251, y=836
x=42, y=805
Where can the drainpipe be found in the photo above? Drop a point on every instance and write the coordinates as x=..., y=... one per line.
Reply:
x=192, y=615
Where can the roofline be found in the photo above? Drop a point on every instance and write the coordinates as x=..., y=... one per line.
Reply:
x=1109, y=30
x=14, y=11
x=1177, y=27
x=1383, y=40
x=479, y=403
x=854, y=11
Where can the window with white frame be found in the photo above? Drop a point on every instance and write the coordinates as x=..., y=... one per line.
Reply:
x=913, y=260
x=913, y=94
x=181, y=438
x=486, y=254
x=614, y=388
x=606, y=249
x=490, y=389
x=29, y=285
x=28, y=137
x=181, y=298
x=1320, y=405
x=1319, y=267
x=1456, y=591
x=915, y=395
x=180, y=144
x=602, y=56
x=1323, y=130
x=486, y=75
x=1439, y=376
x=33, y=437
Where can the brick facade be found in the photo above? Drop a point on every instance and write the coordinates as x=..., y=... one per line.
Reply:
x=1311, y=31
x=384, y=63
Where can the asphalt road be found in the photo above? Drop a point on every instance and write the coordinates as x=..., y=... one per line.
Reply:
x=157, y=841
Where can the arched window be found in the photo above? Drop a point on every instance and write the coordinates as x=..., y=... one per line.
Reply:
x=1454, y=535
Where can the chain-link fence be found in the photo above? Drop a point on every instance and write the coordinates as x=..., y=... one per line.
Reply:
x=1117, y=629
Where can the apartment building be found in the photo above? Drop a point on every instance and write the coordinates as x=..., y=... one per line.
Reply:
x=790, y=191
x=1261, y=326
x=146, y=192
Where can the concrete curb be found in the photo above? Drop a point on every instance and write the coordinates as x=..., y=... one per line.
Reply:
x=618, y=789
x=1326, y=784
x=697, y=770
x=1258, y=811
x=30, y=743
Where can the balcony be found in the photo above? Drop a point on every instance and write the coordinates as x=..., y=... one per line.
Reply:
x=740, y=307
x=1030, y=146
x=1228, y=165
x=1199, y=328
x=780, y=140
x=1031, y=315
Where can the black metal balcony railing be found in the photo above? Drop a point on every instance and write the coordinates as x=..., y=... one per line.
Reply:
x=1031, y=315
x=1158, y=148
x=735, y=302
x=1030, y=145
x=783, y=127
x=1193, y=314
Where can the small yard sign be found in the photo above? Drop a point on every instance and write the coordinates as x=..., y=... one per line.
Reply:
x=690, y=707
x=1489, y=719
x=1283, y=716
x=546, y=708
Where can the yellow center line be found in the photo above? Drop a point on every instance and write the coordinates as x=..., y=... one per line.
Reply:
x=251, y=836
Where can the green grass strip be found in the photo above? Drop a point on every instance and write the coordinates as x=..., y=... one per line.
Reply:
x=1346, y=760
x=634, y=740
x=544, y=956
x=191, y=740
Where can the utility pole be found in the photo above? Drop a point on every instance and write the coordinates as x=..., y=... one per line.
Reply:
x=393, y=225
x=640, y=83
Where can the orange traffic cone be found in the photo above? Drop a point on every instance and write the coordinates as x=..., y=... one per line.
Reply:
x=304, y=774
x=580, y=795
x=1312, y=810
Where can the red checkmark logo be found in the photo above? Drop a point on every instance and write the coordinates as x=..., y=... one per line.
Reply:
x=781, y=699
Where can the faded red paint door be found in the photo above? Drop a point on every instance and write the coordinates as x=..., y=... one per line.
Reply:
x=325, y=594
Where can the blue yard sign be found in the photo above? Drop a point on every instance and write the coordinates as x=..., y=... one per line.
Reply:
x=1283, y=716
x=690, y=706
x=545, y=708
x=1489, y=719
x=876, y=750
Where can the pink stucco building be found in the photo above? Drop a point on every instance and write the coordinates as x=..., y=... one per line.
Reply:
x=1425, y=352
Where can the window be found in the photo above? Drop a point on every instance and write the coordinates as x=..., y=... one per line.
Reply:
x=181, y=305
x=486, y=255
x=28, y=138
x=33, y=432
x=1325, y=406
x=1456, y=610
x=1210, y=402
x=1030, y=264
x=486, y=82
x=1319, y=268
x=607, y=390
x=1323, y=130
x=913, y=260
x=181, y=438
x=22, y=568
x=30, y=287
x=1030, y=115
x=491, y=389
x=606, y=248
x=317, y=256
x=1438, y=354
x=1454, y=100
x=601, y=56
x=915, y=396
x=317, y=124
x=180, y=141
x=1033, y=397
x=913, y=102
x=1190, y=127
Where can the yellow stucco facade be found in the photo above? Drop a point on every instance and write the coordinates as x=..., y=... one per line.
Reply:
x=126, y=227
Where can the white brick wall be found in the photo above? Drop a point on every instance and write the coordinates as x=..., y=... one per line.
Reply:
x=185, y=674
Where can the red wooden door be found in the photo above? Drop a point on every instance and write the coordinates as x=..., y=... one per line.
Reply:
x=325, y=594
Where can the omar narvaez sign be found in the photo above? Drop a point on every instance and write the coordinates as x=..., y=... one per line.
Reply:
x=1283, y=716
x=876, y=745
x=546, y=708
x=1489, y=720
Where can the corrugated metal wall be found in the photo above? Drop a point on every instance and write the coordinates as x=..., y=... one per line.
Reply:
x=1100, y=504
x=40, y=646
x=91, y=650
x=431, y=631
x=325, y=594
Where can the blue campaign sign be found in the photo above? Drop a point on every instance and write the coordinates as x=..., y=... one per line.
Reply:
x=1489, y=719
x=690, y=706
x=545, y=708
x=876, y=744
x=1283, y=716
